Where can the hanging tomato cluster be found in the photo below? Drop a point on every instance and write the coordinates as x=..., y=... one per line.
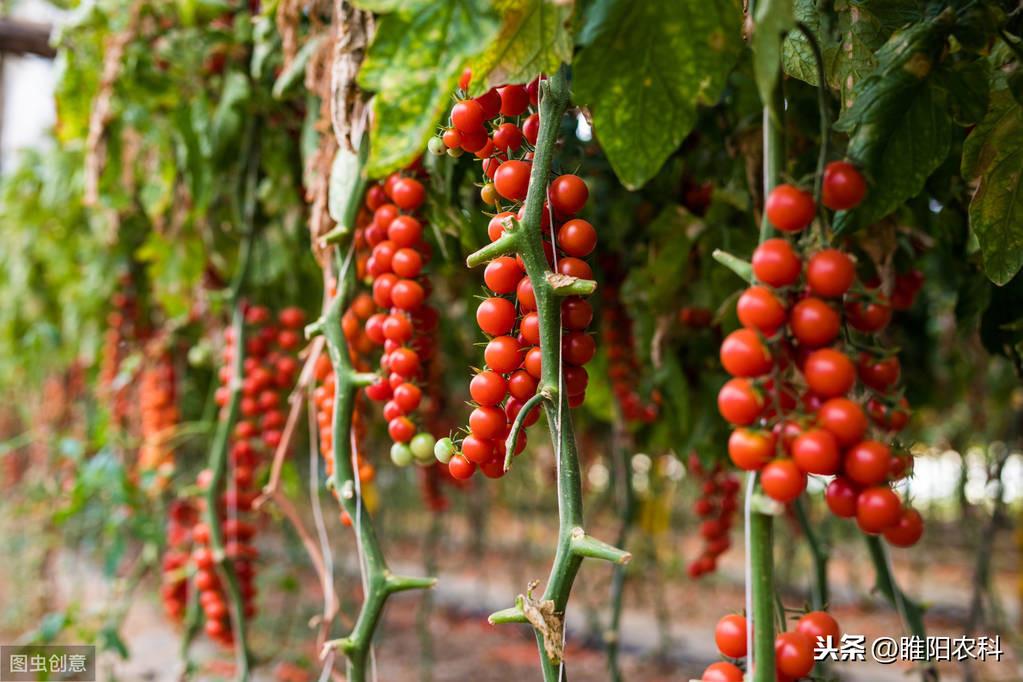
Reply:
x=794, y=649
x=125, y=328
x=158, y=403
x=181, y=517
x=270, y=370
x=716, y=505
x=404, y=324
x=809, y=331
x=622, y=367
x=489, y=126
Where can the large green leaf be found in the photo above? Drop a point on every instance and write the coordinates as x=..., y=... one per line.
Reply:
x=413, y=66
x=534, y=38
x=849, y=46
x=899, y=123
x=993, y=156
x=648, y=67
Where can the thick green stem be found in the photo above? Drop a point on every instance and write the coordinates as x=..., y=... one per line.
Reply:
x=622, y=451
x=379, y=582
x=217, y=462
x=573, y=543
x=761, y=543
x=911, y=613
x=819, y=553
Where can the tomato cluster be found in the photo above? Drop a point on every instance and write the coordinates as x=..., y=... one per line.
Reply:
x=181, y=517
x=125, y=328
x=157, y=401
x=270, y=370
x=716, y=505
x=403, y=323
x=810, y=395
x=622, y=367
x=793, y=650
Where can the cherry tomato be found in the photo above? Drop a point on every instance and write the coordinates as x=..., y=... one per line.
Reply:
x=461, y=468
x=577, y=238
x=408, y=194
x=467, y=115
x=816, y=452
x=514, y=100
x=908, y=531
x=487, y=423
x=730, y=636
x=843, y=187
x=877, y=508
x=507, y=136
x=496, y=316
x=739, y=403
x=868, y=315
x=890, y=418
x=533, y=362
x=721, y=671
x=819, y=624
x=407, y=396
x=404, y=361
x=574, y=267
x=576, y=313
x=568, y=194
x=531, y=128
x=793, y=654
x=775, y=263
x=789, y=208
x=578, y=348
x=407, y=294
x=407, y=263
x=829, y=373
x=503, y=354
x=522, y=385
x=502, y=274
x=490, y=102
x=525, y=296
x=868, y=463
x=405, y=231
x=401, y=429
x=512, y=180
x=830, y=273
x=488, y=388
x=759, y=309
x=751, y=449
x=841, y=495
x=844, y=419
x=782, y=480
x=529, y=328
x=814, y=323
x=879, y=374
x=743, y=354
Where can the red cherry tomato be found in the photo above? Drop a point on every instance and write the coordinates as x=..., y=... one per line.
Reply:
x=502, y=274
x=844, y=419
x=751, y=449
x=496, y=316
x=789, y=208
x=793, y=654
x=730, y=636
x=512, y=180
x=879, y=374
x=782, y=480
x=514, y=100
x=408, y=194
x=841, y=495
x=868, y=315
x=843, y=187
x=877, y=508
x=743, y=354
x=908, y=531
x=830, y=273
x=814, y=323
x=775, y=263
x=829, y=373
x=816, y=452
x=868, y=463
x=577, y=238
x=819, y=624
x=759, y=309
x=739, y=403
x=461, y=468
x=568, y=194
x=503, y=354
x=721, y=671
x=467, y=115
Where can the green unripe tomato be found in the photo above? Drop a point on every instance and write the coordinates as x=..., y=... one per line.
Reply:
x=455, y=152
x=401, y=454
x=444, y=450
x=436, y=146
x=422, y=446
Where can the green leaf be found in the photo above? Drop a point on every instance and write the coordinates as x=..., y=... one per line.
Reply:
x=534, y=38
x=899, y=123
x=413, y=66
x=993, y=156
x=966, y=83
x=228, y=118
x=772, y=18
x=345, y=178
x=686, y=50
x=295, y=72
x=175, y=267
